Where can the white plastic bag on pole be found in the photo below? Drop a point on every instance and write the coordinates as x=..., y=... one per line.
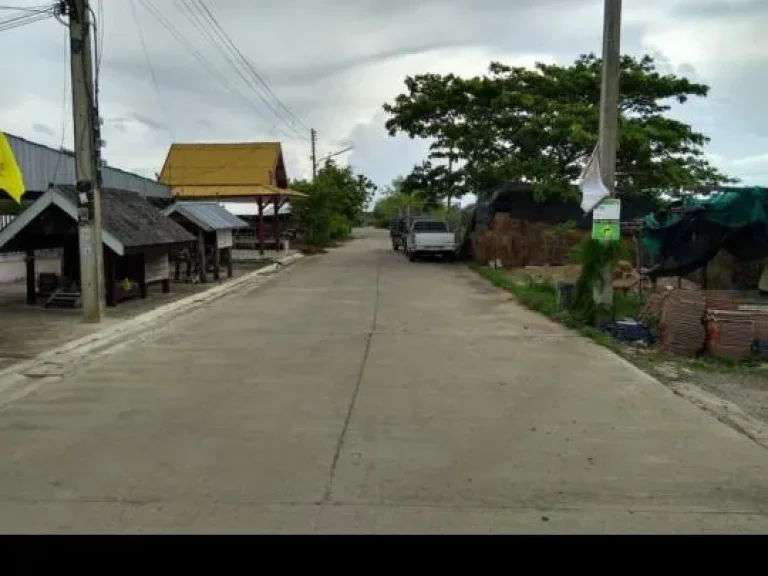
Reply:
x=591, y=183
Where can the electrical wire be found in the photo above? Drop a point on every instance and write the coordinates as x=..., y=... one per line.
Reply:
x=152, y=74
x=193, y=18
x=212, y=69
x=249, y=66
x=37, y=8
x=196, y=14
x=222, y=34
x=65, y=117
x=29, y=16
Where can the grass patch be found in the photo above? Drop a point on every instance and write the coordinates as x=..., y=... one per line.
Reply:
x=540, y=295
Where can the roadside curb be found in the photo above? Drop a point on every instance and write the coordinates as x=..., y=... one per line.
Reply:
x=722, y=410
x=57, y=361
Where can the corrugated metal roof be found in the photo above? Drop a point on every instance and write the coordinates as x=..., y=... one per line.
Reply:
x=42, y=165
x=224, y=164
x=207, y=215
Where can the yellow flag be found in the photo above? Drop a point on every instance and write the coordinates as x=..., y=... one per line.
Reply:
x=11, y=179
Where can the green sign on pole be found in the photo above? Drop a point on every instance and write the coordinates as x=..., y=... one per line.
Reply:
x=606, y=220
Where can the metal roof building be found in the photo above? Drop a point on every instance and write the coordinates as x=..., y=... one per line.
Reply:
x=42, y=166
x=130, y=223
x=208, y=216
x=213, y=226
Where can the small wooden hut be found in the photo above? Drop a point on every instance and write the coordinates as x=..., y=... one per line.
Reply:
x=212, y=225
x=137, y=239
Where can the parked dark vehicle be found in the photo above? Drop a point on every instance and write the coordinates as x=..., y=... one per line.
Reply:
x=400, y=226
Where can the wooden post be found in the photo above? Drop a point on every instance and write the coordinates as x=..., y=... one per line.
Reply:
x=201, y=256
x=216, y=258
x=277, y=223
x=110, y=277
x=260, y=204
x=31, y=282
x=143, y=276
x=229, y=262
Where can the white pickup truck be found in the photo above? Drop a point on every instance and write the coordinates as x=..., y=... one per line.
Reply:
x=430, y=237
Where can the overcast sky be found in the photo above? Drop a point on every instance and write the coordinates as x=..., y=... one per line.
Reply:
x=334, y=62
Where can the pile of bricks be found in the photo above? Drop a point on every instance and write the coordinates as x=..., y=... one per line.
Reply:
x=734, y=322
x=681, y=322
x=722, y=322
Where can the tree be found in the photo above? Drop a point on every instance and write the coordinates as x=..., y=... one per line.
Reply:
x=394, y=199
x=540, y=125
x=335, y=202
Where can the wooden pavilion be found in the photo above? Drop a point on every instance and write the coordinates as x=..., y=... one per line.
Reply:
x=252, y=172
x=137, y=240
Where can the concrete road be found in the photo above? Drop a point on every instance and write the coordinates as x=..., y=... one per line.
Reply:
x=358, y=392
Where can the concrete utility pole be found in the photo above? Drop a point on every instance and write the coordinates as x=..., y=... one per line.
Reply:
x=313, y=137
x=609, y=116
x=86, y=121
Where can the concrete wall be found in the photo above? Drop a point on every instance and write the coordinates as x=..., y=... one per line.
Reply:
x=14, y=269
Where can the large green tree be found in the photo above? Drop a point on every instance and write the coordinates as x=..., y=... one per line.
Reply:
x=336, y=200
x=541, y=124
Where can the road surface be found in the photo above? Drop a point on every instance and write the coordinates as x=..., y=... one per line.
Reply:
x=358, y=392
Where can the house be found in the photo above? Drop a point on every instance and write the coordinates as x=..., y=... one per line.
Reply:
x=249, y=172
x=212, y=226
x=138, y=240
x=42, y=167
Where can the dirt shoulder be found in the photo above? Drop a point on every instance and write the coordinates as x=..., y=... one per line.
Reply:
x=735, y=394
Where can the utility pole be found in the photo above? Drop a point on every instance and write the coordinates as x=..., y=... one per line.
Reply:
x=609, y=116
x=87, y=169
x=313, y=137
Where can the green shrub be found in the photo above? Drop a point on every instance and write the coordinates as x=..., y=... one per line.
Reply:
x=340, y=227
x=593, y=256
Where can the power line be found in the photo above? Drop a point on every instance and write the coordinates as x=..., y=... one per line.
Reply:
x=195, y=20
x=30, y=16
x=239, y=55
x=150, y=67
x=37, y=8
x=212, y=69
x=65, y=118
x=206, y=24
x=248, y=64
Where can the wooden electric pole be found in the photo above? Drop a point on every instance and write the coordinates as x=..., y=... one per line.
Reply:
x=87, y=169
x=313, y=137
x=609, y=116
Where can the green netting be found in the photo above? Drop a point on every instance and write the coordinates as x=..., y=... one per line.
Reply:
x=732, y=208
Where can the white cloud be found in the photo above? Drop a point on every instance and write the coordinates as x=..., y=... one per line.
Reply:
x=335, y=63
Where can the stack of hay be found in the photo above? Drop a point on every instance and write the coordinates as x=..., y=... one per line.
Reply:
x=518, y=243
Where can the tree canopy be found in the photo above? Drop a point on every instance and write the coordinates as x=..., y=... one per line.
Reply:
x=540, y=125
x=335, y=202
